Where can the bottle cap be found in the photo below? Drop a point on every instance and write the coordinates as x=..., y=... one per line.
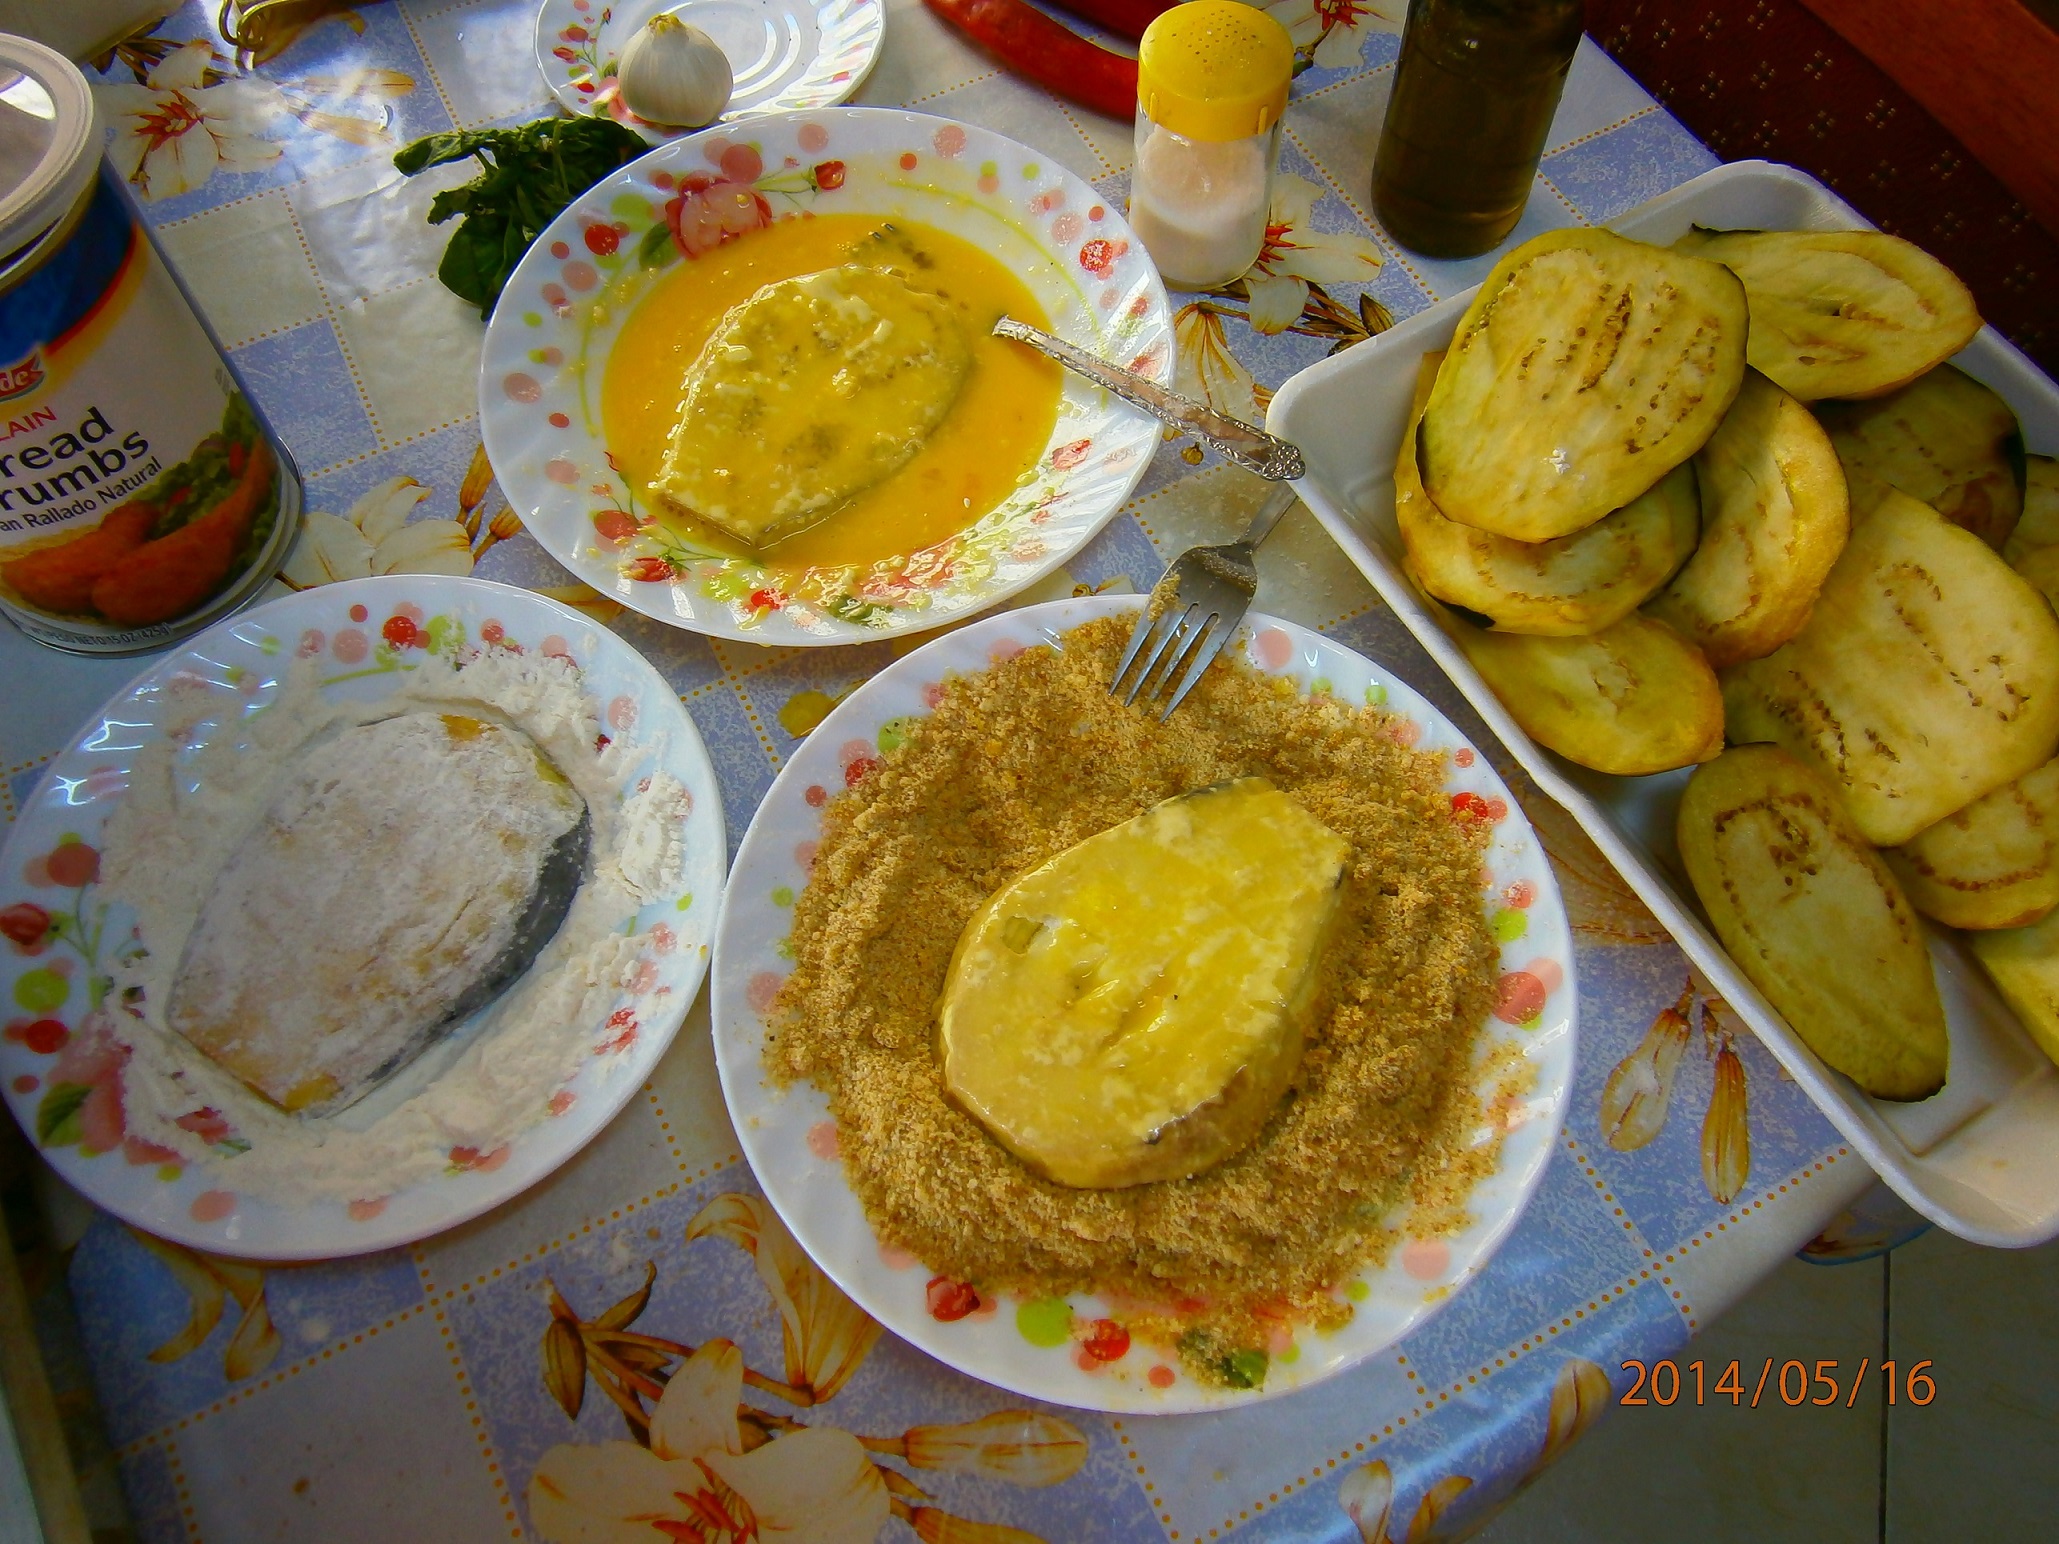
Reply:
x=1214, y=69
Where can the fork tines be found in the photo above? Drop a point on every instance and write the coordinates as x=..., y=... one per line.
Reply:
x=1185, y=641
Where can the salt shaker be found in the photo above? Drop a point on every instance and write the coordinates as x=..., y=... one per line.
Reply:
x=1212, y=79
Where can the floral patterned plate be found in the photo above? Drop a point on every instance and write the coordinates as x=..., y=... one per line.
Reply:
x=61, y=1050
x=547, y=347
x=786, y=54
x=1076, y=1352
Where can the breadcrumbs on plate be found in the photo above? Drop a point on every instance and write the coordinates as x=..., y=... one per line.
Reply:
x=1018, y=763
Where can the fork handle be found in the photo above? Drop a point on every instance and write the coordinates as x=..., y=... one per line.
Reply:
x=1277, y=502
x=1249, y=447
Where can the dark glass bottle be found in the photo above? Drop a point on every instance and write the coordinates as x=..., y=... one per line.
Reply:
x=1473, y=99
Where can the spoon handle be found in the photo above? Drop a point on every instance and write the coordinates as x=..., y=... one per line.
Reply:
x=1249, y=447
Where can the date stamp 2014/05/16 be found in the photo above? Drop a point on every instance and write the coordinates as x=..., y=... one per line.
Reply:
x=1790, y=1382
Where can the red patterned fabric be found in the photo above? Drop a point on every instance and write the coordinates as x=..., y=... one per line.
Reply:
x=1766, y=78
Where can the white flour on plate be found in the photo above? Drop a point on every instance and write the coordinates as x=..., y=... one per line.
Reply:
x=184, y=814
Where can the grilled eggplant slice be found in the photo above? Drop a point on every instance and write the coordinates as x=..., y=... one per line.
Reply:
x=1773, y=522
x=1586, y=369
x=1815, y=919
x=1633, y=698
x=1927, y=676
x=2023, y=962
x=1995, y=863
x=2033, y=547
x=1576, y=584
x=1842, y=313
x=1945, y=439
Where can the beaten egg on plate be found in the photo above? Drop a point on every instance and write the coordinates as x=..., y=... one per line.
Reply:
x=974, y=447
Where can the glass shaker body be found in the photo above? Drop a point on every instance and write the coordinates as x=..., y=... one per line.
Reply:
x=1212, y=81
x=1473, y=99
x=1200, y=205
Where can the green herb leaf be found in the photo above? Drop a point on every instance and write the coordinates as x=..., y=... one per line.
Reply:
x=436, y=149
x=57, y=1117
x=850, y=608
x=657, y=247
x=473, y=264
x=1245, y=1369
x=527, y=177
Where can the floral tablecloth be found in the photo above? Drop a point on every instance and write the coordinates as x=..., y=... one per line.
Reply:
x=492, y=1382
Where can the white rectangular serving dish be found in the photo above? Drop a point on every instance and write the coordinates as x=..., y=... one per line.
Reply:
x=1981, y=1158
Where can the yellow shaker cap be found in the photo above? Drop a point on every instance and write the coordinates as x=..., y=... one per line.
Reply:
x=1214, y=69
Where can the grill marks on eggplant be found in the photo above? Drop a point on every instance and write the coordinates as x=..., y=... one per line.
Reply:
x=1587, y=368
x=1927, y=675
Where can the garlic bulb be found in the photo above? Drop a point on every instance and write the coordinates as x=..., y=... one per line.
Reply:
x=675, y=74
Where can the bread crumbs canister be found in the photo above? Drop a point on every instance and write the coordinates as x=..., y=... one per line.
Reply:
x=141, y=493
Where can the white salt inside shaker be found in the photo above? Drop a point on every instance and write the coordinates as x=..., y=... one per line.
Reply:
x=1200, y=205
x=1212, y=78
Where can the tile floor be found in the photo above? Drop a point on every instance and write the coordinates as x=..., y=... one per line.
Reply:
x=1973, y=1464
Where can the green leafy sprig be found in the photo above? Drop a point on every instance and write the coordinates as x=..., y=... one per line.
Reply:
x=529, y=175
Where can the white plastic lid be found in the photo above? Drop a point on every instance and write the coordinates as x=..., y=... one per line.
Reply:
x=49, y=139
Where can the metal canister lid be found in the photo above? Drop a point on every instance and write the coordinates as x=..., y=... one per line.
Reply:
x=49, y=140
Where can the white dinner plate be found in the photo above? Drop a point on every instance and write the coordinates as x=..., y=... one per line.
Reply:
x=785, y=54
x=59, y=1057
x=1018, y=1347
x=547, y=348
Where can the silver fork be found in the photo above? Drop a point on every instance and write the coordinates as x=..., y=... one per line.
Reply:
x=1193, y=611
